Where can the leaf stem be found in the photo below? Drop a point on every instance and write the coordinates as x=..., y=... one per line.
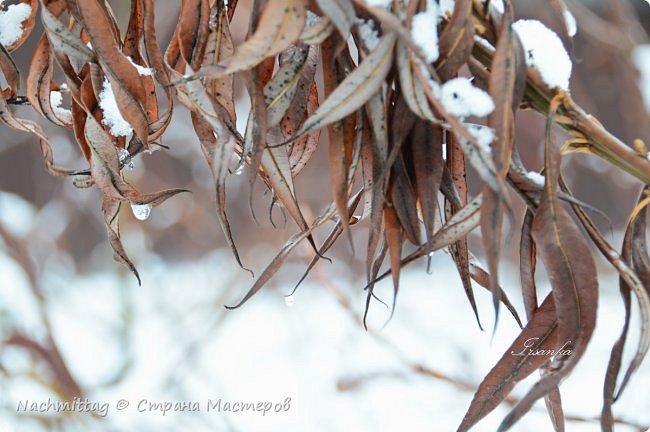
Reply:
x=602, y=142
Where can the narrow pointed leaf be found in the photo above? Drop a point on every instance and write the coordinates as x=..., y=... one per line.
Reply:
x=356, y=89
x=280, y=24
x=517, y=363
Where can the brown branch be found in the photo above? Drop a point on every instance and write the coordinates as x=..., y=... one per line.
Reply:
x=580, y=124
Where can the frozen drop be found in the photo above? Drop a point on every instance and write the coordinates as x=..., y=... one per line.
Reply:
x=141, y=211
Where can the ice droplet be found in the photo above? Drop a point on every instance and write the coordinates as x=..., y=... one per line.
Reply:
x=82, y=181
x=290, y=300
x=141, y=211
x=239, y=170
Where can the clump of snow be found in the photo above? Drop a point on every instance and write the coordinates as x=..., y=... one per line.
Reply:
x=536, y=178
x=460, y=98
x=484, y=135
x=570, y=22
x=641, y=59
x=368, y=33
x=56, y=99
x=446, y=7
x=379, y=3
x=424, y=31
x=11, y=22
x=545, y=52
x=143, y=71
x=112, y=117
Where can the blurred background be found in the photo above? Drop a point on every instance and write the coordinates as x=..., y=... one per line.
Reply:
x=76, y=324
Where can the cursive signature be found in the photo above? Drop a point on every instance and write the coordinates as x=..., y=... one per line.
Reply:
x=531, y=349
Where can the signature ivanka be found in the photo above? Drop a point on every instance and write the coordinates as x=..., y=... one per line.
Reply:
x=530, y=349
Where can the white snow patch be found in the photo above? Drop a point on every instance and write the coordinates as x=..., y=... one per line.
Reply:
x=143, y=71
x=498, y=5
x=641, y=59
x=64, y=114
x=446, y=7
x=570, y=22
x=112, y=115
x=379, y=3
x=536, y=178
x=484, y=42
x=11, y=22
x=368, y=33
x=545, y=52
x=460, y=98
x=484, y=135
x=424, y=31
x=16, y=215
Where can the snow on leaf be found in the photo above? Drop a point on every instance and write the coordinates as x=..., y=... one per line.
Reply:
x=536, y=178
x=143, y=71
x=11, y=22
x=112, y=115
x=56, y=99
x=446, y=8
x=424, y=31
x=379, y=3
x=484, y=135
x=460, y=98
x=368, y=33
x=545, y=53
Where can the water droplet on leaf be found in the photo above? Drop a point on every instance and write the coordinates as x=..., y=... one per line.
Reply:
x=82, y=181
x=141, y=211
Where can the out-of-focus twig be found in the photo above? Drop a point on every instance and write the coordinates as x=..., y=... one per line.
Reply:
x=65, y=384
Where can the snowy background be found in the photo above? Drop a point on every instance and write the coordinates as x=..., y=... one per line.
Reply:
x=171, y=340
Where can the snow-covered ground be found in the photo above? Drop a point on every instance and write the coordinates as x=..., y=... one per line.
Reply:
x=172, y=341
